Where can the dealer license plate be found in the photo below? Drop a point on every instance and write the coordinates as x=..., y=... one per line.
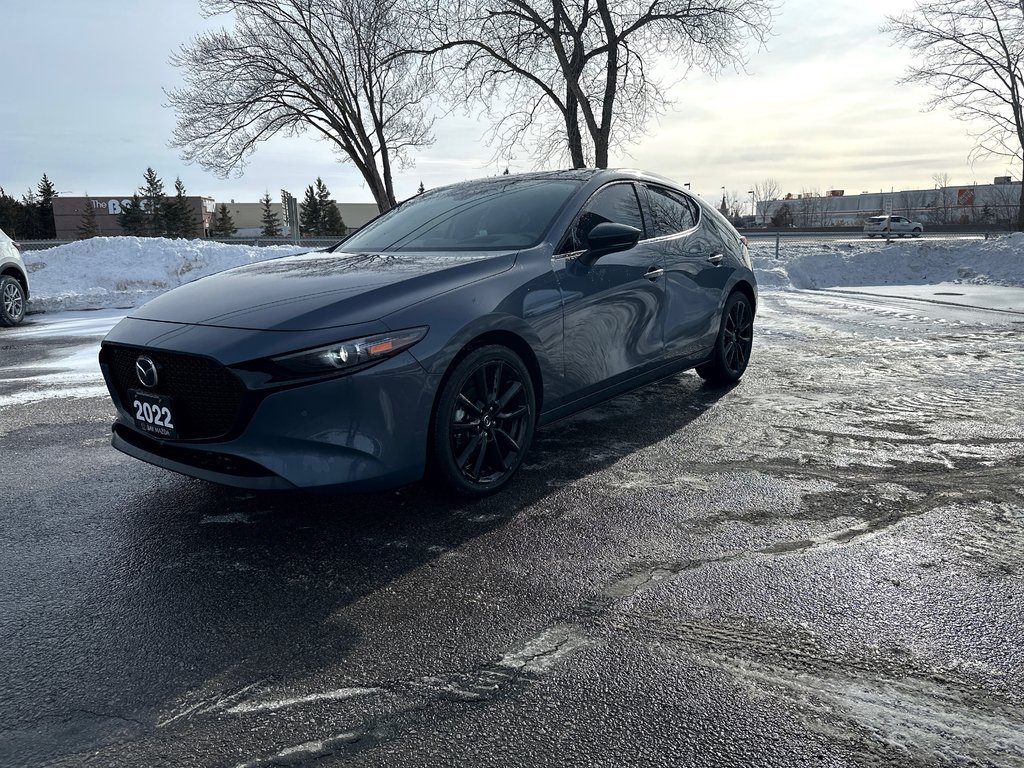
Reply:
x=153, y=413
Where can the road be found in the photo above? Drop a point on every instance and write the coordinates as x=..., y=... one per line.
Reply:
x=820, y=566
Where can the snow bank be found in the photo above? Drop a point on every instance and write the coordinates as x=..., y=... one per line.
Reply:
x=999, y=261
x=127, y=271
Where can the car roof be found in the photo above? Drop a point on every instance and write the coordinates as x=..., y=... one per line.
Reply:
x=596, y=176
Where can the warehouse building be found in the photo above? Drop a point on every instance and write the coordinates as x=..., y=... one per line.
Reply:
x=992, y=204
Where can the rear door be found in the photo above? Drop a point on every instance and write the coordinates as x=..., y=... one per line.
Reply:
x=696, y=270
x=614, y=308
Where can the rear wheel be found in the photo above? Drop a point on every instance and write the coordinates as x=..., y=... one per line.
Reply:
x=12, y=301
x=484, y=422
x=732, y=347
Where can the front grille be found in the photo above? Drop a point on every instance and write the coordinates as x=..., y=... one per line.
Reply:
x=205, y=396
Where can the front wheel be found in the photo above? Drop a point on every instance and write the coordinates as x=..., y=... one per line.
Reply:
x=484, y=421
x=12, y=301
x=917, y=233
x=732, y=347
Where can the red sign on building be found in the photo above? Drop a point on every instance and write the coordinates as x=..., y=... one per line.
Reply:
x=965, y=197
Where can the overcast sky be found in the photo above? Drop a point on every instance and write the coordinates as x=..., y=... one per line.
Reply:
x=818, y=109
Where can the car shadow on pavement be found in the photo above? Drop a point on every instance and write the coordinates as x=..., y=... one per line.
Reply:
x=203, y=590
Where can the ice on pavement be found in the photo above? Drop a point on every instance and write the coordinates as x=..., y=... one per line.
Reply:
x=110, y=272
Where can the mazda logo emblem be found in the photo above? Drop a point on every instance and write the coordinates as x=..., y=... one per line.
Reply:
x=145, y=370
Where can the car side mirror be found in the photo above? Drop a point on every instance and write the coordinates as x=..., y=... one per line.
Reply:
x=609, y=237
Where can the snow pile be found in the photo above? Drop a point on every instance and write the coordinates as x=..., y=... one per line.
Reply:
x=127, y=271
x=999, y=261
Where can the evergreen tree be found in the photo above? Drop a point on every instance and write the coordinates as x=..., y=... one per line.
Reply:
x=271, y=224
x=154, y=203
x=309, y=213
x=421, y=189
x=222, y=225
x=132, y=218
x=15, y=216
x=47, y=229
x=783, y=217
x=178, y=219
x=31, y=229
x=330, y=222
x=88, y=226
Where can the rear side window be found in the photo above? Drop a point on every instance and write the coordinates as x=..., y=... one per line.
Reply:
x=671, y=212
x=616, y=203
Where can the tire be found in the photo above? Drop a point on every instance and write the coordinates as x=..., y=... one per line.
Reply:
x=735, y=339
x=484, y=422
x=12, y=301
x=916, y=232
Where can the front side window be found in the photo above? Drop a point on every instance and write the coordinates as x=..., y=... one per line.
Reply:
x=671, y=212
x=616, y=203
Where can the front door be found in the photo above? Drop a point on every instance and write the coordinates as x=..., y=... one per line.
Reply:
x=613, y=308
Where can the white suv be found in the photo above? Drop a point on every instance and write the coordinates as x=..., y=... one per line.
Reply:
x=892, y=225
x=13, y=282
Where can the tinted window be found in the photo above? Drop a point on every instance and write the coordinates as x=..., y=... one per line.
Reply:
x=468, y=217
x=671, y=212
x=615, y=203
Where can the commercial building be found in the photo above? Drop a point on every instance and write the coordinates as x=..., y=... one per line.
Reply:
x=992, y=204
x=248, y=217
x=68, y=213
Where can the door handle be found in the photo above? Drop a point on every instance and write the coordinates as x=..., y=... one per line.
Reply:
x=654, y=273
x=716, y=258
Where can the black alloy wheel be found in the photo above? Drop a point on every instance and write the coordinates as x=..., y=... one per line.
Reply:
x=12, y=301
x=484, y=421
x=735, y=341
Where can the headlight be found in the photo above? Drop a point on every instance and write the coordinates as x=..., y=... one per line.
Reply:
x=355, y=353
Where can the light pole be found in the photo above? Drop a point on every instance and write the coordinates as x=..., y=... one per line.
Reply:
x=753, y=205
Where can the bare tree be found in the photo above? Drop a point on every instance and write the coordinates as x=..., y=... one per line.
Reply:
x=1006, y=201
x=326, y=67
x=943, y=200
x=766, y=189
x=574, y=78
x=912, y=203
x=972, y=53
x=807, y=208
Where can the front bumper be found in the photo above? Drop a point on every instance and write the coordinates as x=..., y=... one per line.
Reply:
x=364, y=431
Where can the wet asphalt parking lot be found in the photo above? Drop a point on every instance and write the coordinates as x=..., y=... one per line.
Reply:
x=820, y=566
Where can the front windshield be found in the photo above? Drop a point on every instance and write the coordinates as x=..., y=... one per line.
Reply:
x=468, y=217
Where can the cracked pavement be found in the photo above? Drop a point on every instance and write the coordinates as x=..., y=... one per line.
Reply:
x=819, y=566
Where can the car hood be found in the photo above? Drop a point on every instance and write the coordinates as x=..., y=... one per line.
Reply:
x=320, y=290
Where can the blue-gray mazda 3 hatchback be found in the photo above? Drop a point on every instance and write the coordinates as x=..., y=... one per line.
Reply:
x=435, y=339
